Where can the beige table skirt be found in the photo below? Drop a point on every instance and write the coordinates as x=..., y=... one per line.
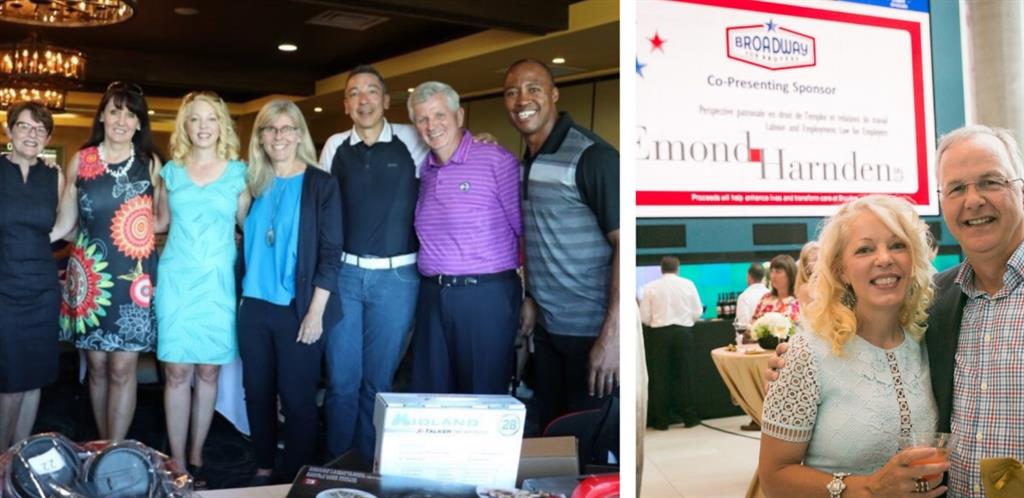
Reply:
x=743, y=374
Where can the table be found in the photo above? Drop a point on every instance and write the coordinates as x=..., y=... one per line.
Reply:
x=743, y=374
x=278, y=491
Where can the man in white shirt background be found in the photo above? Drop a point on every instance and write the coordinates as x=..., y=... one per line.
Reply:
x=749, y=298
x=668, y=309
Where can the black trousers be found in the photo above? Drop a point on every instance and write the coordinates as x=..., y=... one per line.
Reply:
x=464, y=339
x=274, y=364
x=670, y=375
x=560, y=374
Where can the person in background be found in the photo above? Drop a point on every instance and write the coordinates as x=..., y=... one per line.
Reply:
x=30, y=299
x=781, y=299
x=469, y=225
x=668, y=310
x=114, y=189
x=746, y=303
x=571, y=225
x=858, y=378
x=195, y=304
x=804, y=272
x=292, y=250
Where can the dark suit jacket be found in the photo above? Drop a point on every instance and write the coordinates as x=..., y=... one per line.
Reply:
x=320, y=243
x=941, y=339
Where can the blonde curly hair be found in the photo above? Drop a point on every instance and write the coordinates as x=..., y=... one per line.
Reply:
x=827, y=315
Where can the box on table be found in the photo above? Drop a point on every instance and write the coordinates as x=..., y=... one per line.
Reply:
x=322, y=482
x=470, y=439
x=547, y=457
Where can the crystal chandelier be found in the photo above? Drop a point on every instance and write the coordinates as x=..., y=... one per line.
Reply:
x=32, y=70
x=67, y=13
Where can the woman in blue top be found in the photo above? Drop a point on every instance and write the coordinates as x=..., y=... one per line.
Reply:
x=195, y=301
x=292, y=251
x=858, y=378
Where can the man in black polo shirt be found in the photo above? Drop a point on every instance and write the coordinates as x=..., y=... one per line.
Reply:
x=571, y=225
x=375, y=164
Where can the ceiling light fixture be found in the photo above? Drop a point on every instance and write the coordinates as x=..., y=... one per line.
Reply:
x=33, y=70
x=318, y=109
x=558, y=60
x=67, y=13
x=287, y=47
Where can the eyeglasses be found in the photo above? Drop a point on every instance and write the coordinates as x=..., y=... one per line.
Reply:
x=986, y=185
x=286, y=130
x=120, y=86
x=23, y=127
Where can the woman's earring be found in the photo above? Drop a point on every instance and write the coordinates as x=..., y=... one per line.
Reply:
x=848, y=299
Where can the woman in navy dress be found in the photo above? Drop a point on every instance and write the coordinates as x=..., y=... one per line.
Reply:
x=30, y=292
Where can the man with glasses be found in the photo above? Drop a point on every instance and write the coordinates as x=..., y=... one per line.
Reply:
x=375, y=164
x=975, y=345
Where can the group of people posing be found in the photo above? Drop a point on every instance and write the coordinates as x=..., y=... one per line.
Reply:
x=396, y=228
x=891, y=349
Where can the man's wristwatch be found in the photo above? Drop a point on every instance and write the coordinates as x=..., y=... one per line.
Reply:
x=837, y=486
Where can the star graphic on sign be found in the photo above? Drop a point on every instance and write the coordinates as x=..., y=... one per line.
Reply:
x=640, y=68
x=657, y=42
x=770, y=25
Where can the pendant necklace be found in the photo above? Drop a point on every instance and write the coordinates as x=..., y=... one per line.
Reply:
x=119, y=172
x=273, y=214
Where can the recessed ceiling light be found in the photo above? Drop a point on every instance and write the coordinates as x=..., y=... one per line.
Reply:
x=318, y=109
x=558, y=60
x=151, y=112
x=186, y=11
x=411, y=89
x=287, y=47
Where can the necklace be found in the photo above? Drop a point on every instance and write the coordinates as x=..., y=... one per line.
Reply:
x=119, y=172
x=273, y=214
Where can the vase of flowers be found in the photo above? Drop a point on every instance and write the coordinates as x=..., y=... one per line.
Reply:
x=772, y=329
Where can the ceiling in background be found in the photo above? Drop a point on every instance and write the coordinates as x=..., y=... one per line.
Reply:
x=231, y=46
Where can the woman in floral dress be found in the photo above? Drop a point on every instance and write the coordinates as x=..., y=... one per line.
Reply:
x=112, y=182
x=782, y=298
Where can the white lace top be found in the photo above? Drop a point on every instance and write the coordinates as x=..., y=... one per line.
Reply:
x=846, y=407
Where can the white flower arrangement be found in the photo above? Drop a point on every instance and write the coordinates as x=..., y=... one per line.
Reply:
x=773, y=324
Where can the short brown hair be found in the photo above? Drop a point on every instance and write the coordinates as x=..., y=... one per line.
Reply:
x=38, y=111
x=670, y=264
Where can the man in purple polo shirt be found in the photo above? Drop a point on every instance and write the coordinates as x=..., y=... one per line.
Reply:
x=469, y=225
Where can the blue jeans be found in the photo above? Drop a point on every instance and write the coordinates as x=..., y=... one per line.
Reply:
x=364, y=349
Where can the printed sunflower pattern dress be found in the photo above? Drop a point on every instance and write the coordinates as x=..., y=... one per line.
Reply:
x=106, y=299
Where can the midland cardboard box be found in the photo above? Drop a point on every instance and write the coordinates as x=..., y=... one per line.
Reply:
x=471, y=439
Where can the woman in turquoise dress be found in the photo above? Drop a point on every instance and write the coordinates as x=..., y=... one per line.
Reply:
x=195, y=302
x=113, y=186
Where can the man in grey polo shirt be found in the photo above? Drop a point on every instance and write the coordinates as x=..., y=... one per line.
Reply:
x=571, y=224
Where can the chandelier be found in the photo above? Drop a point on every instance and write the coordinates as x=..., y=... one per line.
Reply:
x=32, y=70
x=67, y=13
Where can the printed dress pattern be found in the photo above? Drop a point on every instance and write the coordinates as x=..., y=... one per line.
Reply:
x=106, y=299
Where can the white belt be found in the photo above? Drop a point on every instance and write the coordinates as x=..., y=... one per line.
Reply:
x=379, y=263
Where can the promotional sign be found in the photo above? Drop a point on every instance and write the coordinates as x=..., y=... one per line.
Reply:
x=752, y=109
